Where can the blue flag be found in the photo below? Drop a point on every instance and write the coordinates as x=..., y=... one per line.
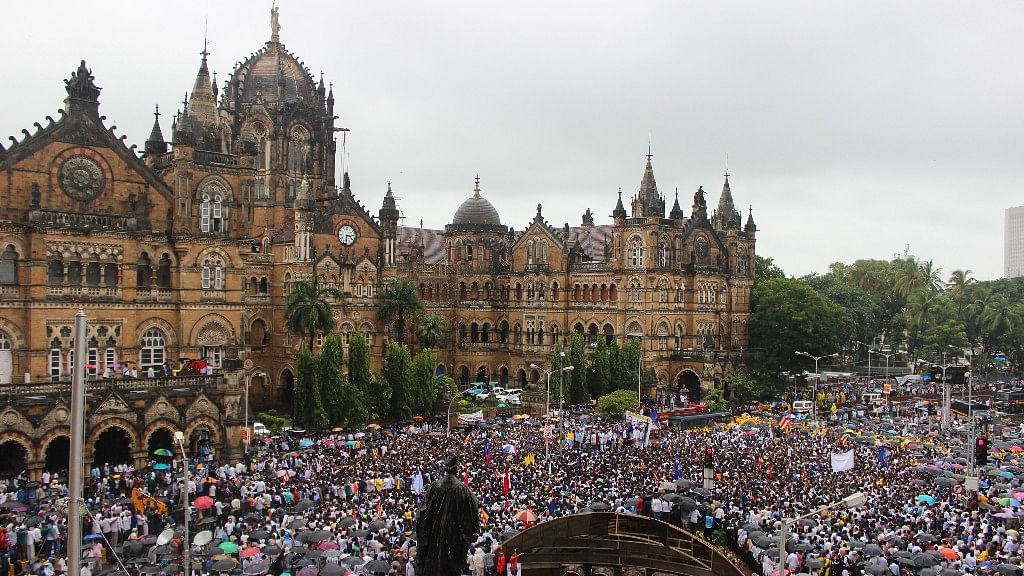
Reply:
x=883, y=456
x=676, y=472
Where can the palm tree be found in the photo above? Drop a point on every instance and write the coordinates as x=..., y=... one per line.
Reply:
x=957, y=285
x=308, y=308
x=431, y=329
x=400, y=303
x=931, y=275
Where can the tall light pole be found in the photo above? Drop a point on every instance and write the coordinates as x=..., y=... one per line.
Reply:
x=179, y=436
x=547, y=408
x=817, y=377
x=248, y=432
x=77, y=445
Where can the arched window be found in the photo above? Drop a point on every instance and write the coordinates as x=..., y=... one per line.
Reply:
x=485, y=333
x=680, y=293
x=636, y=291
x=298, y=149
x=503, y=336
x=75, y=271
x=469, y=253
x=636, y=252
x=540, y=332
x=55, y=272
x=263, y=286
x=542, y=253
x=474, y=333
x=663, y=291
x=217, y=215
x=663, y=336
x=519, y=291
x=163, y=272
x=152, y=351
x=613, y=294
x=92, y=273
x=663, y=254
x=529, y=252
x=517, y=333
x=462, y=290
x=204, y=213
x=609, y=334
x=462, y=332
x=9, y=265
x=213, y=274
x=110, y=272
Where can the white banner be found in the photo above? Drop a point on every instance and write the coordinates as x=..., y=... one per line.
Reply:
x=472, y=417
x=842, y=461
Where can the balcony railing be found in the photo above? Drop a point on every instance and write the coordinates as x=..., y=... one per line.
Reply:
x=10, y=291
x=63, y=387
x=84, y=292
x=215, y=158
x=79, y=220
x=591, y=266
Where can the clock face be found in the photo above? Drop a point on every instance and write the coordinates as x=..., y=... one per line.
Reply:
x=347, y=235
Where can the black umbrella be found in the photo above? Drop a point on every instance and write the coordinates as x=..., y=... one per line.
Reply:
x=149, y=569
x=687, y=504
x=257, y=568
x=224, y=565
x=321, y=535
x=926, y=537
x=207, y=521
x=876, y=569
x=347, y=522
x=297, y=523
x=873, y=550
x=928, y=572
x=815, y=563
x=332, y=569
x=925, y=561
x=809, y=522
x=305, y=536
x=801, y=547
x=352, y=561
x=303, y=505
x=507, y=535
x=271, y=550
x=772, y=552
x=376, y=526
x=32, y=521
x=360, y=533
x=314, y=554
x=903, y=561
x=258, y=535
x=375, y=567
x=751, y=526
x=597, y=507
x=704, y=492
x=950, y=572
x=1008, y=569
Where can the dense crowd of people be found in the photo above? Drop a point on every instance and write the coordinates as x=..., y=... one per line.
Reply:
x=346, y=502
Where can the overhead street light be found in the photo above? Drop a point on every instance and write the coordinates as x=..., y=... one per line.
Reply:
x=817, y=378
x=547, y=406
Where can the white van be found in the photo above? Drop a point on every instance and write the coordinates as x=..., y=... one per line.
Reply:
x=872, y=398
x=259, y=430
x=802, y=406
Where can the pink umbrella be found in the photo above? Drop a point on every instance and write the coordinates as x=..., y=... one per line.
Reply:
x=203, y=502
x=249, y=552
x=328, y=545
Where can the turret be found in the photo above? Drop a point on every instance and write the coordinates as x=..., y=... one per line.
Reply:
x=330, y=101
x=155, y=145
x=619, y=213
x=700, y=205
x=389, y=215
x=726, y=216
x=648, y=201
x=750, y=227
x=677, y=212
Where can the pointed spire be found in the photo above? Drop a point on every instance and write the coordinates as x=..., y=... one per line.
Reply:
x=649, y=201
x=202, y=105
x=620, y=210
x=389, y=209
x=476, y=188
x=330, y=100
x=750, y=226
x=725, y=216
x=320, y=87
x=156, y=145
x=677, y=211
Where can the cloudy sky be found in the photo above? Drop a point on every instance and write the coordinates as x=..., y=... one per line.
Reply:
x=854, y=129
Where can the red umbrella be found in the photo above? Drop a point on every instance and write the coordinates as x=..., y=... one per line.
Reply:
x=249, y=552
x=203, y=502
x=328, y=545
x=526, y=516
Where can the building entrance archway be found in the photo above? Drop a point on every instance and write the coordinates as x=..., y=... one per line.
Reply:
x=464, y=375
x=58, y=454
x=689, y=383
x=112, y=447
x=481, y=374
x=13, y=458
x=287, y=390
x=503, y=375
x=160, y=438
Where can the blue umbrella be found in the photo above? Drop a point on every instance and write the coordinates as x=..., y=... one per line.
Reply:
x=160, y=466
x=305, y=443
x=926, y=499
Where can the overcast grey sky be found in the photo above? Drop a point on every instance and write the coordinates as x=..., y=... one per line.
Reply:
x=853, y=128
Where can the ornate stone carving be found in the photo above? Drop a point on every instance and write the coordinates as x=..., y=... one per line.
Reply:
x=162, y=409
x=81, y=178
x=14, y=421
x=115, y=404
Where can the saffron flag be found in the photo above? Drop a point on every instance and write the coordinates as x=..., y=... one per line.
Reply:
x=380, y=508
x=506, y=484
x=842, y=461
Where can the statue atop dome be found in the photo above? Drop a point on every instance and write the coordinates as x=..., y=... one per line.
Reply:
x=275, y=24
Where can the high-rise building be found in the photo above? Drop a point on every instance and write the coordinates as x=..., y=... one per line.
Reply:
x=1013, y=242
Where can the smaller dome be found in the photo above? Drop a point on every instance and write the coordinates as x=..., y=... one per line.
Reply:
x=476, y=211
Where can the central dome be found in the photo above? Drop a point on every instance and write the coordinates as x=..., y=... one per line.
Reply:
x=275, y=75
x=476, y=211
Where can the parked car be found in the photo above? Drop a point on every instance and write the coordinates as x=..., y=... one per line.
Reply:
x=483, y=395
x=477, y=390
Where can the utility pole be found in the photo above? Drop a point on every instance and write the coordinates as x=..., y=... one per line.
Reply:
x=77, y=446
x=945, y=395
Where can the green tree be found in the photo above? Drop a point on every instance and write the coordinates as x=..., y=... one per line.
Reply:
x=766, y=269
x=431, y=329
x=715, y=400
x=957, y=285
x=308, y=308
x=398, y=375
x=626, y=362
x=309, y=407
x=599, y=371
x=755, y=386
x=788, y=315
x=559, y=381
x=399, y=305
x=272, y=420
x=375, y=401
x=330, y=367
x=611, y=406
x=577, y=358
x=424, y=381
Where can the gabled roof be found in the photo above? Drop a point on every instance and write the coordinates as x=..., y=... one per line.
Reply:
x=80, y=124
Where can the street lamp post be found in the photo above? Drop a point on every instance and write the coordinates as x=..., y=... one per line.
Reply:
x=817, y=378
x=186, y=544
x=248, y=432
x=547, y=407
x=855, y=500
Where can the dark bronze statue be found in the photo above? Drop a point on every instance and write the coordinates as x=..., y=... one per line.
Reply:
x=446, y=525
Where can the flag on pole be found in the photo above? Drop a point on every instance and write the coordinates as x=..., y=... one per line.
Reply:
x=842, y=461
x=465, y=476
x=506, y=484
x=380, y=508
x=676, y=472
